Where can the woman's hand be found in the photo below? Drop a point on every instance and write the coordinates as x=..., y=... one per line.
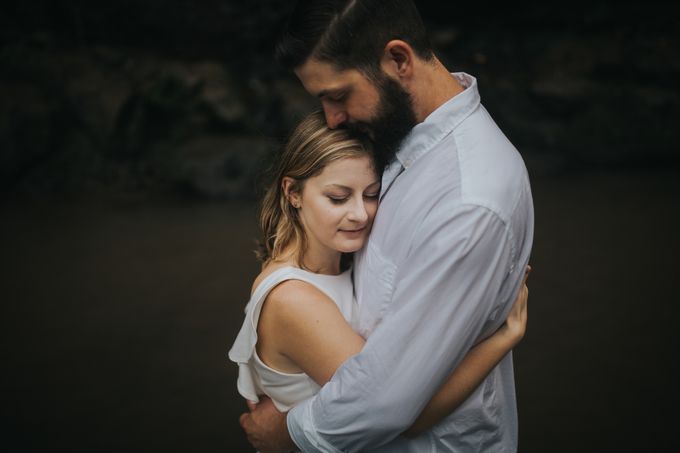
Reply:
x=475, y=366
x=516, y=324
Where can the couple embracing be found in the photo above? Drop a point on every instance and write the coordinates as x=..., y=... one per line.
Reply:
x=390, y=328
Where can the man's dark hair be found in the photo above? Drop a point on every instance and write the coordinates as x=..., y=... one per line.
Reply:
x=350, y=33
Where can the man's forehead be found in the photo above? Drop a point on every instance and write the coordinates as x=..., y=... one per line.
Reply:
x=319, y=77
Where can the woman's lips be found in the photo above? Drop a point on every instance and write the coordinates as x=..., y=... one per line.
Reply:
x=355, y=231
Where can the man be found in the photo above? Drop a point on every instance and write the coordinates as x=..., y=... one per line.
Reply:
x=449, y=245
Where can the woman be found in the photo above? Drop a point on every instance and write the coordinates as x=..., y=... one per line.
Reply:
x=298, y=327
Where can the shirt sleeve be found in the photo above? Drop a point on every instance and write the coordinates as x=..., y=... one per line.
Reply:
x=449, y=292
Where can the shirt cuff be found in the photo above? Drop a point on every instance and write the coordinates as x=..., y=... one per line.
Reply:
x=303, y=431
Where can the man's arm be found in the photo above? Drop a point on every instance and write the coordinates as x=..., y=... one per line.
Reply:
x=475, y=367
x=307, y=318
x=452, y=283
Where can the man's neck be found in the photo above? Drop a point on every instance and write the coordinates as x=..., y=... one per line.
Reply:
x=435, y=87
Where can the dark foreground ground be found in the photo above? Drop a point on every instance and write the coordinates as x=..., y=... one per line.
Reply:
x=117, y=317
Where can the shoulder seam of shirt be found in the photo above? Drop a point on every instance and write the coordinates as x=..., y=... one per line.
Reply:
x=480, y=206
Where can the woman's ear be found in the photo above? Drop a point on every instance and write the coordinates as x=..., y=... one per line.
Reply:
x=288, y=185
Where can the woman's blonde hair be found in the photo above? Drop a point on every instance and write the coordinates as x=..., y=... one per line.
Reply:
x=309, y=149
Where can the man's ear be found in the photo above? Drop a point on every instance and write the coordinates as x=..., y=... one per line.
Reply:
x=290, y=191
x=398, y=59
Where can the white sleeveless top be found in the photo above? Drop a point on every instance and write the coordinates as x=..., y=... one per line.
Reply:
x=254, y=377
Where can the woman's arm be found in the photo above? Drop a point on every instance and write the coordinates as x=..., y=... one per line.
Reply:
x=307, y=328
x=474, y=368
x=302, y=329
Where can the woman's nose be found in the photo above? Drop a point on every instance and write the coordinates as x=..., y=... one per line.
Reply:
x=358, y=212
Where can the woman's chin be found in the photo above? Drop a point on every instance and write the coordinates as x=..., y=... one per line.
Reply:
x=352, y=241
x=351, y=246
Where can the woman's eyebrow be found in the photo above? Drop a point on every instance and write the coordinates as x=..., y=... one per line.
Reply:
x=338, y=186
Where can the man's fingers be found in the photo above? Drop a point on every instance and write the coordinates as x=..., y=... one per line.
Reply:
x=245, y=422
x=243, y=419
x=252, y=442
x=251, y=405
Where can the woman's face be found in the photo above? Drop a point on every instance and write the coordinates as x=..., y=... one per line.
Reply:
x=338, y=205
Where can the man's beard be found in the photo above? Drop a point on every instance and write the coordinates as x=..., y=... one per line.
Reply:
x=393, y=120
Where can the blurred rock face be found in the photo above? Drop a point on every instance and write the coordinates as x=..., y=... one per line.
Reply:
x=185, y=96
x=101, y=117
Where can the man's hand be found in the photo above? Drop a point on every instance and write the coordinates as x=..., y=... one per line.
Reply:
x=266, y=427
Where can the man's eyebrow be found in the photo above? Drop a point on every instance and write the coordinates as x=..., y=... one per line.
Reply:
x=329, y=91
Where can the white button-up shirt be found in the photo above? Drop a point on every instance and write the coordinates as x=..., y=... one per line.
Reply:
x=440, y=272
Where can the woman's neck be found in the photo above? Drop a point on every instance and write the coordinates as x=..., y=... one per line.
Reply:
x=321, y=266
x=317, y=261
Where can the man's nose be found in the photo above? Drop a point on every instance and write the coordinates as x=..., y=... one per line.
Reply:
x=334, y=116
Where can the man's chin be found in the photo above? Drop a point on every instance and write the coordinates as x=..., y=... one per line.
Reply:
x=362, y=129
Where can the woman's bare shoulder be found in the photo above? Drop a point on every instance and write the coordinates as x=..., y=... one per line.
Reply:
x=295, y=299
x=267, y=270
x=290, y=293
x=289, y=310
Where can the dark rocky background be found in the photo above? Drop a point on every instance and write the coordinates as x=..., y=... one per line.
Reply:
x=131, y=138
x=179, y=95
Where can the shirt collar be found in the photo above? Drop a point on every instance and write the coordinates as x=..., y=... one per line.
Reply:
x=434, y=128
x=440, y=122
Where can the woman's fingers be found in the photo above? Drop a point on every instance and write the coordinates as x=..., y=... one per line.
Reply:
x=520, y=303
x=526, y=273
x=517, y=318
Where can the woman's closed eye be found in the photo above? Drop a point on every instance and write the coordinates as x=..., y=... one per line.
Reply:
x=338, y=196
x=338, y=199
x=342, y=199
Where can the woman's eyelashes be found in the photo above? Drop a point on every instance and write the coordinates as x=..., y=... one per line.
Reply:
x=340, y=199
